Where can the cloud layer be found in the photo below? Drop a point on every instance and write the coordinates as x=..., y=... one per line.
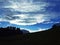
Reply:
x=22, y=12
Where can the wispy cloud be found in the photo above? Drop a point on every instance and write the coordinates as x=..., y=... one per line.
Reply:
x=26, y=19
x=14, y=12
x=26, y=6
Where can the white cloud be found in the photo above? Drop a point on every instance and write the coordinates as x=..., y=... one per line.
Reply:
x=26, y=19
x=51, y=22
x=25, y=6
x=1, y=19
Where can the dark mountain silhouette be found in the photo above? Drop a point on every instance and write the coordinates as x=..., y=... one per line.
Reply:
x=24, y=31
x=11, y=31
x=47, y=37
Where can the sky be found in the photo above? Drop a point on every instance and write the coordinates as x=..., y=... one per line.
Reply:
x=31, y=15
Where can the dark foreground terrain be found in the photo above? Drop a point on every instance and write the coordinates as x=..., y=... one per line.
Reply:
x=48, y=37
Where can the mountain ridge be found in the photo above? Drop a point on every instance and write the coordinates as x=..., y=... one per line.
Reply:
x=47, y=37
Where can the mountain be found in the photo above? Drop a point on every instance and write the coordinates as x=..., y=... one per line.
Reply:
x=57, y=24
x=47, y=37
x=24, y=31
x=11, y=31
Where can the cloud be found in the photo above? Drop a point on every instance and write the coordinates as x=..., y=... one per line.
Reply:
x=26, y=19
x=50, y=22
x=13, y=17
x=29, y=19
x=17, y=12
x=26, y=6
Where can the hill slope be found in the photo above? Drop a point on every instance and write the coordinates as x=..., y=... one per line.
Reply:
x=48, y=37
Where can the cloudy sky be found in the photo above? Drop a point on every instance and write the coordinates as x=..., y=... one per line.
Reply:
x=32, y=15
